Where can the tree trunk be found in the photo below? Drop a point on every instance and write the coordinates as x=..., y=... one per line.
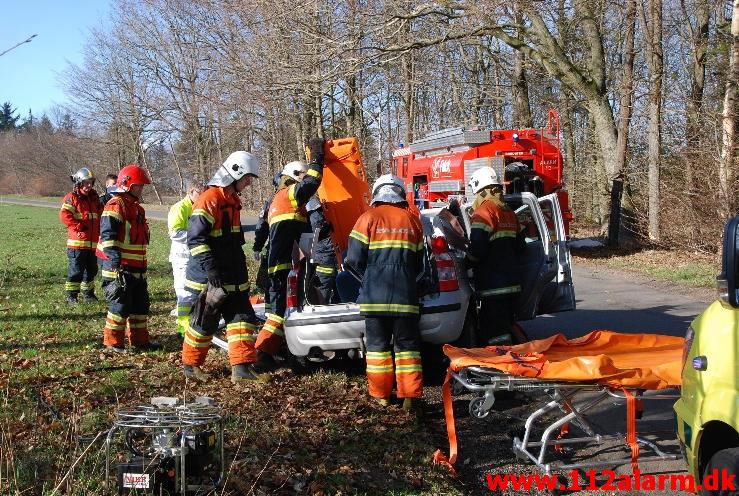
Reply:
x=624, y=119
x=693, y=131
x=408, y=96
x=652, y=21
x=729, y=125
x=521, y=107
x=570, y=178
x=520, y=89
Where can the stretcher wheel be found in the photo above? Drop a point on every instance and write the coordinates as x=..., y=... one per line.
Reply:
x=476, y=409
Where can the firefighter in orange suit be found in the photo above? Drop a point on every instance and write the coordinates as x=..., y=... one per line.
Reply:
x=80, y=212
x=288, y=219
x=386, y=248
x=495, y=244
x=124, y=238
x=217, y=265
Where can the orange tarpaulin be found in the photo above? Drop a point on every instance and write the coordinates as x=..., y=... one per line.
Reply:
x=639, y=361
x=644, y=361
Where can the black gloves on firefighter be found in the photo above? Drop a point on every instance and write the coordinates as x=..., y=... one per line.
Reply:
x=114, y=289
x=214, y=278
x=317, y=154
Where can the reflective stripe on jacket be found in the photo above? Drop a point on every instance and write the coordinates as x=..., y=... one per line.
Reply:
x=495, y=243
x=288, y=219
x=215, y=239
x=124, y=235
x=177, y=218
x=81, y=214
x=386, y=247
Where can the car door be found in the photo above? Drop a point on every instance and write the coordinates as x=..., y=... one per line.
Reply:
x=559, y=293
x=537, y=263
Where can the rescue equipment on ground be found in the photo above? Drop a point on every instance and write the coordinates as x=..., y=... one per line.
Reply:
x=169, y=448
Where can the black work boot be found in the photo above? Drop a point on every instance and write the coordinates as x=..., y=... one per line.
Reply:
x=150, y=346
x=89, y=297
x=196, y=373
x=265, y=363
x=72, y=298
x=246, y=372
x=415, y=406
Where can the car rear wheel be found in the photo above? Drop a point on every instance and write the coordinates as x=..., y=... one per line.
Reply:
x=725, y=461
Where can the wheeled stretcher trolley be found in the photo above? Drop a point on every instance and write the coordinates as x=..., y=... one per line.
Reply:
x=574, y=376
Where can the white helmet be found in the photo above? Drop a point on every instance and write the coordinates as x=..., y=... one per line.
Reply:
x=294, y=170
x=388, y=189
x=236, y=166
x=482, y=178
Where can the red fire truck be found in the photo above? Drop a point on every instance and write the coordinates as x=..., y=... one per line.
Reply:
x=437, y=167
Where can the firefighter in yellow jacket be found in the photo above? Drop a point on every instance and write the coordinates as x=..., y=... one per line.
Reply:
x=179, y=254
x=288, y=219
x=386, y=248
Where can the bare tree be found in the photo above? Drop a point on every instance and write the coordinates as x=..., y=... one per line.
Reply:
x=651, y=14
x=729, y=118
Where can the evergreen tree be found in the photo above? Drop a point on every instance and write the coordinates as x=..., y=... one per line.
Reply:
x=7, y=117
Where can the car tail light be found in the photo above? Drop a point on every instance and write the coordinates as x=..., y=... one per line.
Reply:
x=292, y=287
x=445, y=267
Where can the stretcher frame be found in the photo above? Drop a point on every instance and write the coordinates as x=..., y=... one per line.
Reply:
x=564, y=396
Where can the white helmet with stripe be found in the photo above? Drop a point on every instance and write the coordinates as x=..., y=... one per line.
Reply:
x=388, y=189
x=295, y=170
x=236, y=166
x=482, y=178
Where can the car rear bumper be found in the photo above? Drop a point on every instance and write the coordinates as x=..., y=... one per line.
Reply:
x=340, y=327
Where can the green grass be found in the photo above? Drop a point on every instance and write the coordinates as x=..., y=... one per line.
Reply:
x=318, y=432
x=668, y=266
x=701, y=275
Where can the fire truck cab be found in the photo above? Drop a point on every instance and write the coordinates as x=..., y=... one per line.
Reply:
x=437, y=167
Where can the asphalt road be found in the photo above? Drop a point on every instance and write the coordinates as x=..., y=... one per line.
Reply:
x=248, y=221
x=605, y=300
x=623, y=303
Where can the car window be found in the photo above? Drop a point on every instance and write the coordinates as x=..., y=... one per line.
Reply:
x=547, y=208
x=528, y=224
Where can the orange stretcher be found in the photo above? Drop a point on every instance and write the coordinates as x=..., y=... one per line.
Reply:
x=577, y=375
x=344, y=191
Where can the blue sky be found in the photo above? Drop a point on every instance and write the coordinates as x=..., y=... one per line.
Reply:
x=28, y=74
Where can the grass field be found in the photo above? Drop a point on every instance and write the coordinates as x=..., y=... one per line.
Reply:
x=314, y=434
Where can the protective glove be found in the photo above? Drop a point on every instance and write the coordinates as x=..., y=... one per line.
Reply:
x=214, y=278
x=317, y=153
x=257, y=255
x=115, y=288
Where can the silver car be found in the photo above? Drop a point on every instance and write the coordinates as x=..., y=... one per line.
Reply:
x=448, y=309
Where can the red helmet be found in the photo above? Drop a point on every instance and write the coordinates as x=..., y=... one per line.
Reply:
x=130, y=175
